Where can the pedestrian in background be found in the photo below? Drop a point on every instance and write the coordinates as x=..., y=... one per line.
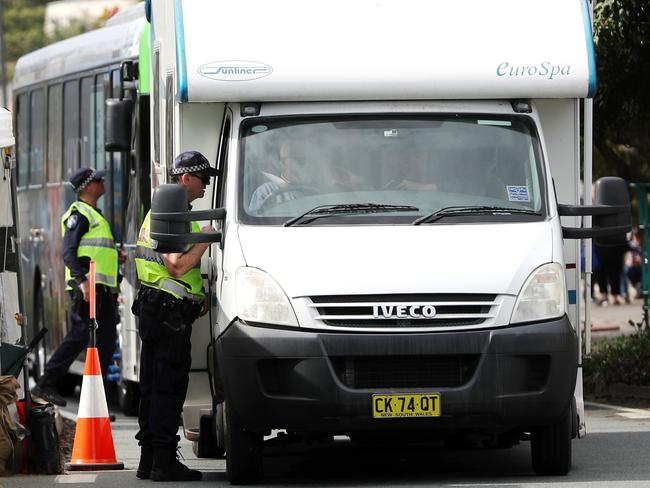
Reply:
x=610, y=259
x=170, y=299
x=87, y=236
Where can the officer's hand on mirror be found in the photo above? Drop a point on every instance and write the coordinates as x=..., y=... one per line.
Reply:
x=206, y=229
x=85, y=290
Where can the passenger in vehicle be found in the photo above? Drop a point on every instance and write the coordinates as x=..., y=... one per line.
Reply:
x=293, y=181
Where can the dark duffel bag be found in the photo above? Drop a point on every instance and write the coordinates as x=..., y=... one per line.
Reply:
x=44, y=440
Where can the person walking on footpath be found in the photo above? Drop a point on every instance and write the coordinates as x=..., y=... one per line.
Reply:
x=170, y=299
x=87, y=236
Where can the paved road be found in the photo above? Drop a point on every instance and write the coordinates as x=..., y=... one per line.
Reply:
x=614, y=454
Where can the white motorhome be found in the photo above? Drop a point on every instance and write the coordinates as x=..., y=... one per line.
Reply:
x=391, y=259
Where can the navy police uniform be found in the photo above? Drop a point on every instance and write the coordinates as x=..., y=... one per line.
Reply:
x=166, y=306
x=75, y=227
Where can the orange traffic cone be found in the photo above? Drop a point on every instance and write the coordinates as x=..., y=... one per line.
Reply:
x=93, y=440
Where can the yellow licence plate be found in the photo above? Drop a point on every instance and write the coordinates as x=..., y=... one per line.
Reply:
x=406, y=405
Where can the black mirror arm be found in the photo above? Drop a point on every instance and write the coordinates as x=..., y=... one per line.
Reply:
x=591, y=232
x=191, y=238
x=585, y=210
x=213, y=214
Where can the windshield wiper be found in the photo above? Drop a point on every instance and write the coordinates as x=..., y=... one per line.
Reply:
x=347, y=208
x=470, y=210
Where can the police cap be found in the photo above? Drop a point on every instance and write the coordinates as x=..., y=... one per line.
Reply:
x=83, y=176
x=192, y=162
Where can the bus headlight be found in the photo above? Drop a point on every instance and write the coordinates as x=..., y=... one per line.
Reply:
x=542, y=296
x=260, y=299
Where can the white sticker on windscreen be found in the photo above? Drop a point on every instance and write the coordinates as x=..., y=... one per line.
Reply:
x=518, y=193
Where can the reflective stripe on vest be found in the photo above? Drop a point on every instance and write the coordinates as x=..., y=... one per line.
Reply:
x=97, y=244
x=153, y=272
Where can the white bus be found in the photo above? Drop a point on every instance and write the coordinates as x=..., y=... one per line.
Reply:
x=60, y=93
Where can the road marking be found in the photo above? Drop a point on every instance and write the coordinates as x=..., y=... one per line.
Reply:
x=76, y=478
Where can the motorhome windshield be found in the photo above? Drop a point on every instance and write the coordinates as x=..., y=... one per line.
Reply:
x=406, y=168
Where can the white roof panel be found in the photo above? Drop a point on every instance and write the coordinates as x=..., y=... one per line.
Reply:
x=262, y=50
x=6, y=131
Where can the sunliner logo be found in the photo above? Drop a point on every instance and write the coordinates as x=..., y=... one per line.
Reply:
x=544, y=69
x=235, y=70
x=407, y=311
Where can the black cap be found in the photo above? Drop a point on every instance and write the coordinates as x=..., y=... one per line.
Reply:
x=80, y=178
x=192, y=162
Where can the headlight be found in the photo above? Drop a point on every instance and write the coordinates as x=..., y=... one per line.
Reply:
x=260, y=299
x=542, y=296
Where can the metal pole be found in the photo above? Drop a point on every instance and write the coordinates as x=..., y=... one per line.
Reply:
x=587, y=185
x=588, y=176
x=93, y=320
x=588, y=140
x=3, y=67
x=641, y=190
x=21, y=318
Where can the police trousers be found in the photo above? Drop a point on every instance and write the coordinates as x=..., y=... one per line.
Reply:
x=165, y=360
x=79, y=334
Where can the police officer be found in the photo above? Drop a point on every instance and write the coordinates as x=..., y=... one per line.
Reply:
x=86, y=236
x=170, y=299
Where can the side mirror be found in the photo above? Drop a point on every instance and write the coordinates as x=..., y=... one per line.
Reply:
x=118, y=116
x=612, y=191
x=611, y=214
x=170, y=220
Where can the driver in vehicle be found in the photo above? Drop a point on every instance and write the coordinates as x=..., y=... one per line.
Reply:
x=293, y=175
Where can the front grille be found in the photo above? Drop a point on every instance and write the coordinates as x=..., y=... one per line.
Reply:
x=442, y=371
x=394, y=311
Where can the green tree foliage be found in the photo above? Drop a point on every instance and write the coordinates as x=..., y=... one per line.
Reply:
x=23, y=23
x=622, y=103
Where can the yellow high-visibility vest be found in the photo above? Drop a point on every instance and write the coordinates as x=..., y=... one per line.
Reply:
x=97, y=244
x=152, y=271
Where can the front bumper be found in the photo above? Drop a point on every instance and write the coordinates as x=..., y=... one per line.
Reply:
x=495, y=380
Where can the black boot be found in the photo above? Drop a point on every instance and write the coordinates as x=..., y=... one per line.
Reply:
x=146, y=461
x=167, y=467
x=46, y=389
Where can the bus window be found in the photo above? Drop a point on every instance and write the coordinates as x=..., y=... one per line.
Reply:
x=87, y=120
x=37, y=137
x=116, y=190
x=100, y=155
x=169, y=122
x=155, y=102
x=70, y=128
x=54, y=118
x=22, y=121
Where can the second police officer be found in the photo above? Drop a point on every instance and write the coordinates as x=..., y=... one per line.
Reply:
x=87, y=236
x=170, y=299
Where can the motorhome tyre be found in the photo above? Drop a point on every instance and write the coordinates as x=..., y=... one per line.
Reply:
x=243, y=451
x=550, y=447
